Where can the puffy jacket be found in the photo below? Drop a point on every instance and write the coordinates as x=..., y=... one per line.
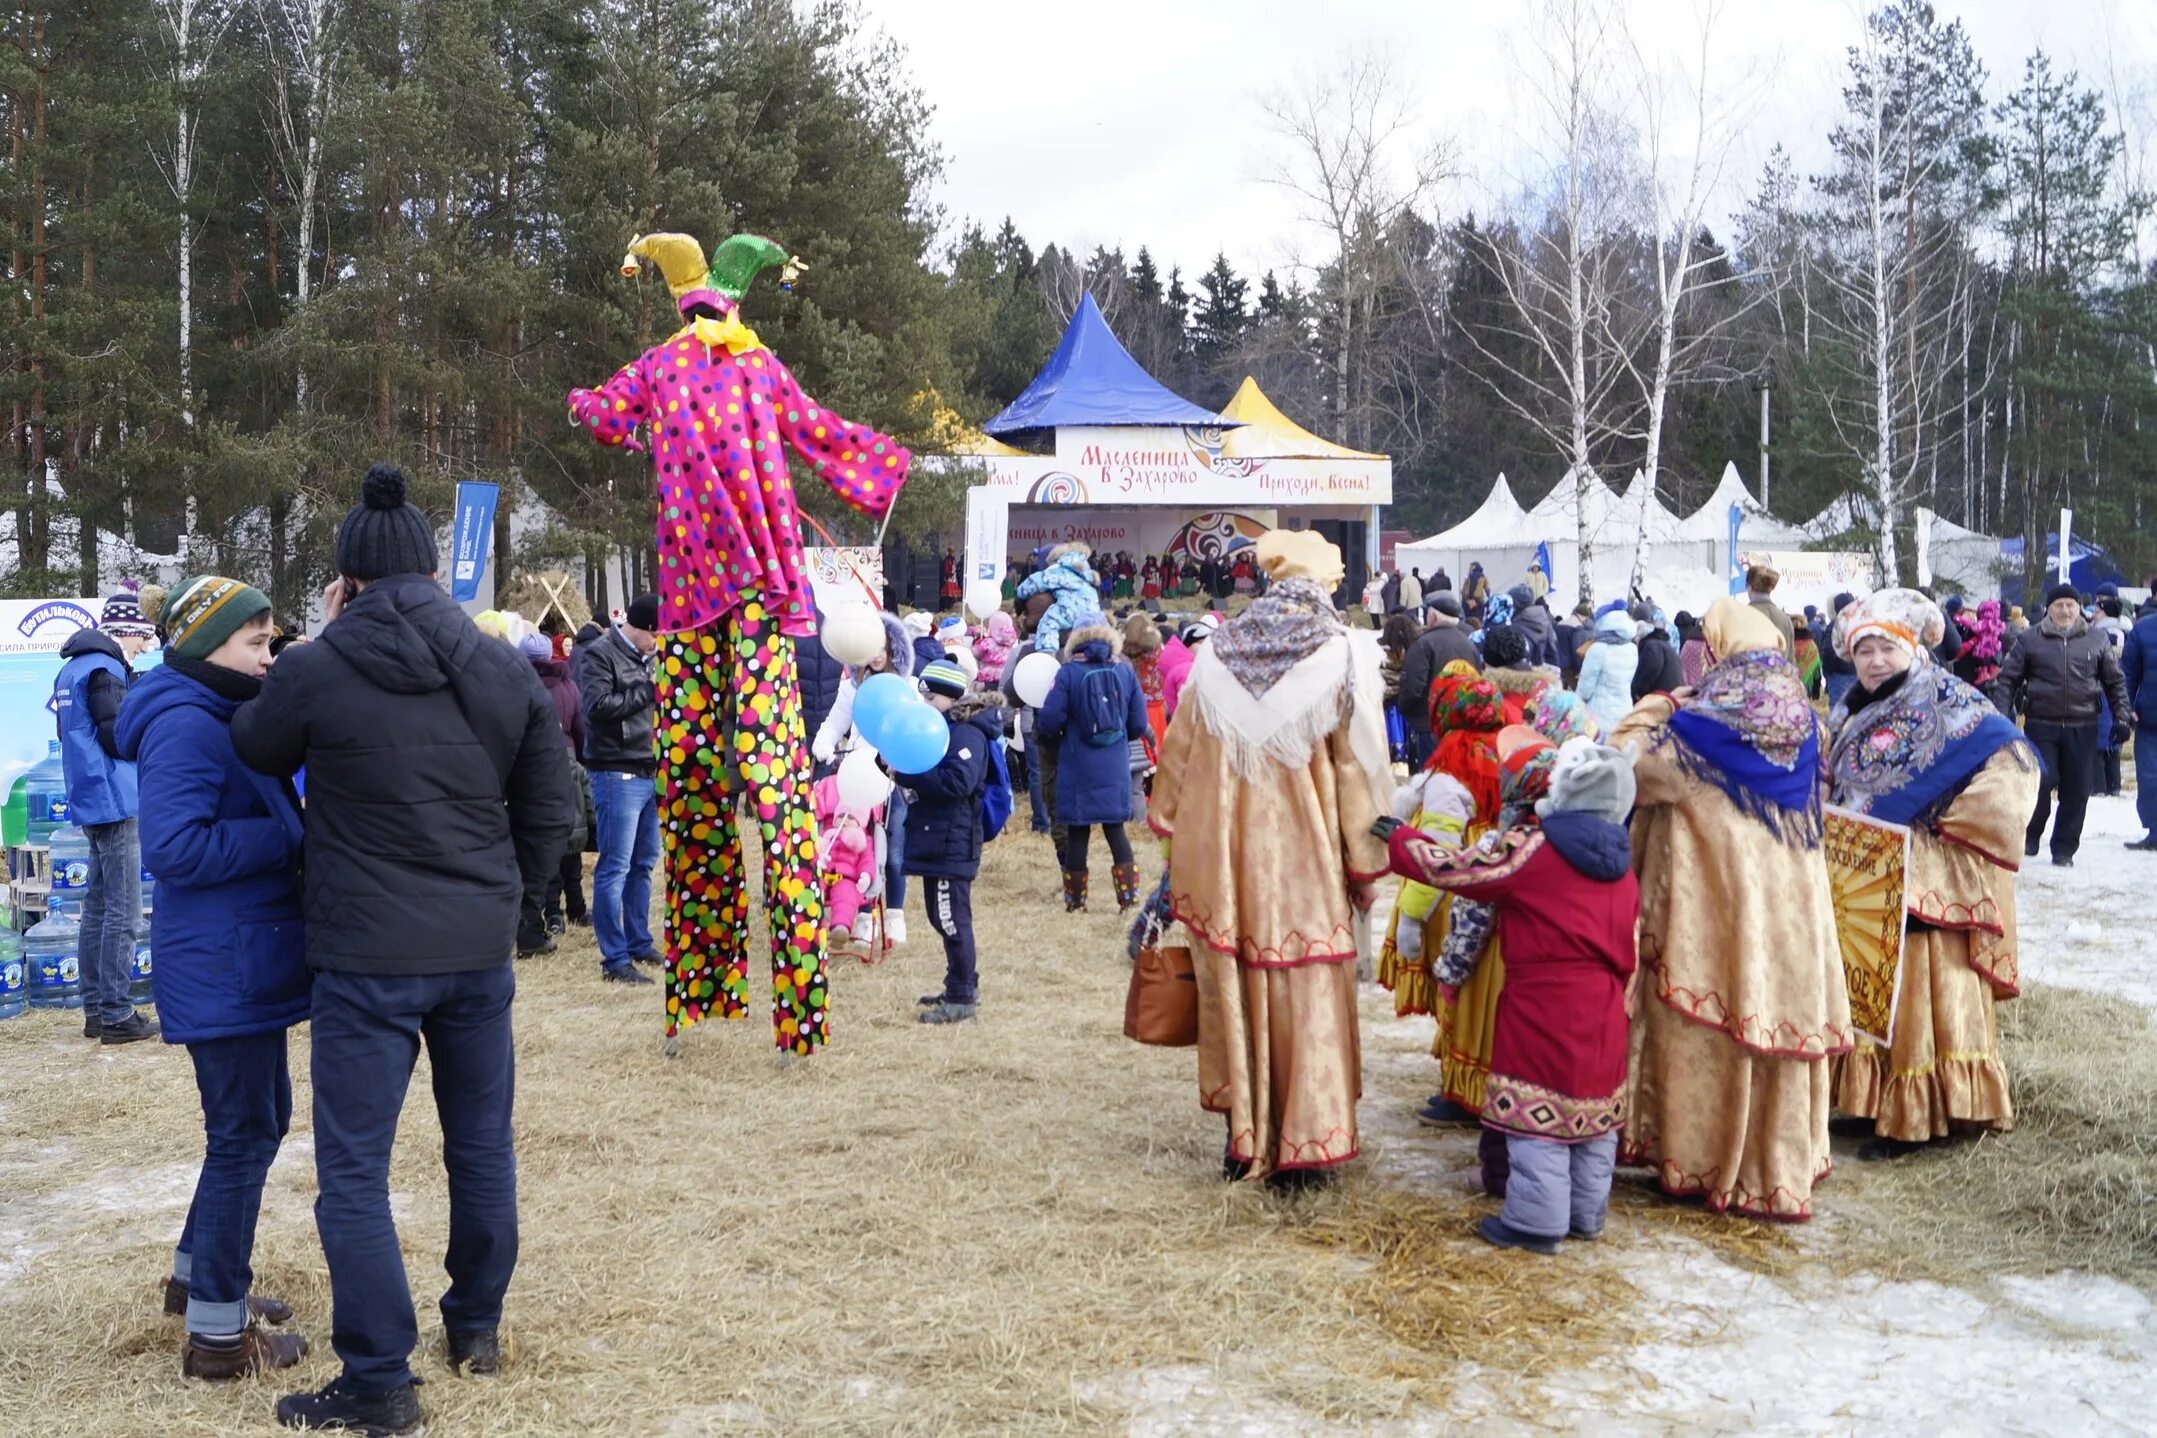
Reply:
x=1075, y=601
x=615, y=687
x=993, y=650
x=86, y=700
x=1093, y=781
x=943, y=806
x=2058, y=678
x=1434, y=648
x=1534, y=621
x=438, y=788
x=224, y=842
x=821, y=676
x=2138, y=666
x=1659, y=671
x=562, y=694
x=1606, y=678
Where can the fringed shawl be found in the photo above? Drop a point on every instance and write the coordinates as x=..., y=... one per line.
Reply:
x=1337, y=681
x=1907, y=755
x=1750, y=732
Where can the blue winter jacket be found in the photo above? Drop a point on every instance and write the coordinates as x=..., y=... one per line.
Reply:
x=2139, y=661
x=1093, y=781
x=100, y=786
x=820, y=676
x=224, y=843
x=943, y=806
x=1076, y=602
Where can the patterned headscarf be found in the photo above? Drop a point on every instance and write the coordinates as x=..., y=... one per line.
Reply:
x=1465, y=714
x=1904, y=617
x=1525, y=778
x=1749, y=729
x=1278, y=632
x=1905, y=755
x=1499, y=611
x=1560, y=714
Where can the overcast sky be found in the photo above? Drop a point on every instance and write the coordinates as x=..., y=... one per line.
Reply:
x=1138, y=121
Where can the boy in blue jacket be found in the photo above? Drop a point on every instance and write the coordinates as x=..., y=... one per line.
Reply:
x=231, y=975
x=943, y=831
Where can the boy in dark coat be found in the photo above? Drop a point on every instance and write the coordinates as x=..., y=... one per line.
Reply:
x=1567, y=904
x=1091, y=716
x=943, y=831
x=231, y=973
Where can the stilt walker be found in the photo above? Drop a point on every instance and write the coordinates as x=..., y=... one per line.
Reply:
x=734, y=596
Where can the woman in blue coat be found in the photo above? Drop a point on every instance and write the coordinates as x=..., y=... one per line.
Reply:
x=1093, y=713
x=223, y=843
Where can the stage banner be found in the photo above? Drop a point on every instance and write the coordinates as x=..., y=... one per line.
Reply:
x=1809, y=576
x=1179, y=465
x=470, y=535
x=846, y=569
x=1737, y=561
x=1867, y=861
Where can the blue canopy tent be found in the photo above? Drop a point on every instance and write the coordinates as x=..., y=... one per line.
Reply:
x=2088, y=566
x=1092, y=380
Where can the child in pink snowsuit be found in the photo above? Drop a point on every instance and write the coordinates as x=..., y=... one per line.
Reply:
x=847, y=858
x=993, y=650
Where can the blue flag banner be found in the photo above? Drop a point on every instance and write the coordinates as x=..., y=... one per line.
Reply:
x=470, y=535
x=1542, y=557
x=1737, y=565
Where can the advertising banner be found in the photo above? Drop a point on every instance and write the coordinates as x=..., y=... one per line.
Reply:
x=470, y=535
x=31, y=633
x=1171, y=465
x=1811, y=576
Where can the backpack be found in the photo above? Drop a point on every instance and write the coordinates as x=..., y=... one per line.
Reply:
x=995, y=794
x=1098, y=713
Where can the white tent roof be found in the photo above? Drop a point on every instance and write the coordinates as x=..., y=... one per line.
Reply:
x=1663, y=526
x=1496, y=521
x=1712, y=519
x=1848, y=512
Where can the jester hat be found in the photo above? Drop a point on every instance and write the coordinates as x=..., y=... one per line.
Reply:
x=719, y=285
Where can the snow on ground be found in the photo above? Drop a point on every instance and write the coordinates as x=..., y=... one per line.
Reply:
x=2089, y=927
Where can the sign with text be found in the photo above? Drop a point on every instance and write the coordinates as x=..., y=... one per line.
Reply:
x=1169, y=464
x=470, y=536
x=1866, y=864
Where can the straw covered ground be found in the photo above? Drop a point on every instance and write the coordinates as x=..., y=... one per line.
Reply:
x=1004, y=1228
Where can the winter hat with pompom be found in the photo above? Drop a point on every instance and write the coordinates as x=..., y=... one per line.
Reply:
x=1590, y=778
x=385, y=534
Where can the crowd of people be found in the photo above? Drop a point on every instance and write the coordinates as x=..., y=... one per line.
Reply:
x=1607, y=825
x=1121, y=577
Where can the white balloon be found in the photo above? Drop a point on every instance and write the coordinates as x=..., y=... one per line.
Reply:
x=853, y=633
x=862, y=786
x=983, y=598
x=1034, y=678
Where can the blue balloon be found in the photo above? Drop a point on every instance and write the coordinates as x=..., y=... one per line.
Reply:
x=878, y=696
x=915, y=738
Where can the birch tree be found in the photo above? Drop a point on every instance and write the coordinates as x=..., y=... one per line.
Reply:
x=301, y=39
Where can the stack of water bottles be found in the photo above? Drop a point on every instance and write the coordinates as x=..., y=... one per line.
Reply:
x=40, y=969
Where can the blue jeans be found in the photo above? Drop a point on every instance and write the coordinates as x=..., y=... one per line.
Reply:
x=1033, y=788
x=111, y=908
x=246, y=1109
x=2146, y=778
x=626, y=809
x=895, y=852
x=367, y=1032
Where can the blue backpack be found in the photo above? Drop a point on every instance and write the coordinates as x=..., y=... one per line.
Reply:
x=1098, y=713
x=995, y=794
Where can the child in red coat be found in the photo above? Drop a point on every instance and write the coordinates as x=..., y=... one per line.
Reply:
x=1566, y=903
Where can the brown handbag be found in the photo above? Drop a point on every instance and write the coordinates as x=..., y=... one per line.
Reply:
x=1161, y=1006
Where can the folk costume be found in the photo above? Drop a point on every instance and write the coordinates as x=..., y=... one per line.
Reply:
x=1743, y=1002
x=1273, y=772
x=1928, y=751
x=734, y=597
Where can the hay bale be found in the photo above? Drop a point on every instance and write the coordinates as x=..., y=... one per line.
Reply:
x=536, y=593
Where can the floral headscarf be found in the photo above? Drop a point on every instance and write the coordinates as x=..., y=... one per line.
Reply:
x=1465, y=714
x=1749, y=729
x=1905, y=754
x=1559, y=715
x=1278, y=632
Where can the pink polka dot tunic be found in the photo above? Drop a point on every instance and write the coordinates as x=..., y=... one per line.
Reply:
x=727, y=523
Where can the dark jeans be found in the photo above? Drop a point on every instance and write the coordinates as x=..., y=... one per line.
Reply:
x=367, y=1032
x=2070, y=755
x=111, y=908
x=1030, y=757
x=626, y=809
x=950, y=903
x=1421, y=744
x=1119, y=846
x=1046, y=751
x=895, y=851
x=246, y=1109
x=2146, y=779
x=565, y=891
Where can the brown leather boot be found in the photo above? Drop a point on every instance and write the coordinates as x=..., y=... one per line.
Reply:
x=273, y=1311
x=257, y=1352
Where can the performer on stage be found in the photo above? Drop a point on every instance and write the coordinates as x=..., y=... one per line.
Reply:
x=733, y=599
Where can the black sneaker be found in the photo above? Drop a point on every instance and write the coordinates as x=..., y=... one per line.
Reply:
x=555, y=926
x=128, y=1030
x=477, y=1354
x=650, y=958
x=2063, y=861
x=948, y=1012
x=92, y=1025
x=545, y=945
x=929, y=1001
x=622, y=974
x=341, y=1408
x=2146, y=845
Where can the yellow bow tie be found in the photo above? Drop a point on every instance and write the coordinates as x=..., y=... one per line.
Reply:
x=737, y=337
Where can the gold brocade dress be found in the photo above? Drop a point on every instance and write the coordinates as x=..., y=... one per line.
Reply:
x=1259, y=880
x=1741, y=1001
x=1958, y=962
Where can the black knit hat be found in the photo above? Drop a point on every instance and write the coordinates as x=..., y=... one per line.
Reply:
x=642, y=613
x=2063, y=590
x=384, y=534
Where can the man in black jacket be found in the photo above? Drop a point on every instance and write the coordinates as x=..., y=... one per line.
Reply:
x=1439, y=645
x=614, y=680
x=2055, y=674
x=438, y=791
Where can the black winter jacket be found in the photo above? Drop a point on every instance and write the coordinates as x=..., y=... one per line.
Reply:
x=820, y=676
x=438, y=788
x=1427, y=658
x=1659, y=671
x=943, y=806
x=2058, y=678
x=619, y=698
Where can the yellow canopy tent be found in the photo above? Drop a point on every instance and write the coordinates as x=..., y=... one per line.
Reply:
x=1263, y=432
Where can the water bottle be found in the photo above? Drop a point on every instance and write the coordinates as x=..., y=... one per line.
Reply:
x=54, y=980
x=149, y=897
x=15, y=814
x=70, y=865
x=14, y=995
x=45, y=796
x=138, y=973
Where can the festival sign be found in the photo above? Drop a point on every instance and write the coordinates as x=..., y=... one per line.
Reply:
x=1171, y=464
x=1812, y=576
x=1867, y=861
x=845, y=568
x=1187, y=534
